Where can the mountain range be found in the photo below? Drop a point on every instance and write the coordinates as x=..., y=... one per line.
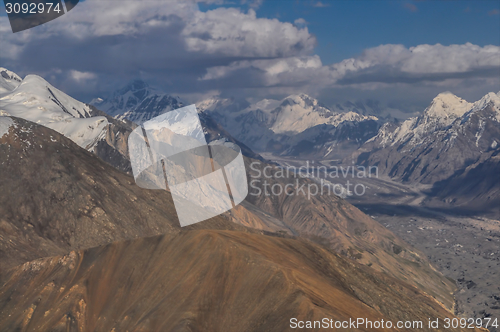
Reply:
x=297, y=125
x=36, y=100
x=137, y=102
x=448, y=143
x=84, y=248
x=76, y=247
x=453, y=144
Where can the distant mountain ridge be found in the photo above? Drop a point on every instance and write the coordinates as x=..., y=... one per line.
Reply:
x=450, y=133
x=293, y=126
x=444, y=147
x=137, y=102
x=296, y=125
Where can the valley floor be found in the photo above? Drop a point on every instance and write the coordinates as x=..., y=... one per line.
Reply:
x=463, y=245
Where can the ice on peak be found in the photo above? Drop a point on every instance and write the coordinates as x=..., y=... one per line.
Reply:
x=38, y=101
x=7, y=74
x=265, y=105
x=8, y=80
x=301, y=99
x=447, y=105
x=491, y=97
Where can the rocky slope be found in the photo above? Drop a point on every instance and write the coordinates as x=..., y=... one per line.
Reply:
x=475, y=187
x=58, y=197
x=202, y=280
x=333, y=222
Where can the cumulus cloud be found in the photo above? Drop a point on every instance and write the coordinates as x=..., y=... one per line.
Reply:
x=417, y=73
x=396, y=63
x=176, y=40
x=382, y=64
x=300, y=22
x=272, y=71
x=233, y=33
x=188, y=51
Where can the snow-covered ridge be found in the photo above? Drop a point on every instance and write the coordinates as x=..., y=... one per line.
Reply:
x=8, y=80
x=293, y=114
x=137, y=102
x=491, y=98
x=5, y=124
x=444, y=110
x=36, y=100
x=446, y=107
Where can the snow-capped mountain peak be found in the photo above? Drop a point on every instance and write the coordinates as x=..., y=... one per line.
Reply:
x=36, y=100
x=137, y=102
x=428, y=149
x=302, y=99
x=490, y=98
x=294, y=125
x=446, y=107
x=441, y=114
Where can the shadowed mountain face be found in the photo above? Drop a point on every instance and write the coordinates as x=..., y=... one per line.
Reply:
x=476, y=186
x=202, y=280
x=113, y=148
x=57, y=197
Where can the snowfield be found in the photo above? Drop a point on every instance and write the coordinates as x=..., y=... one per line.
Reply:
x=36, y=100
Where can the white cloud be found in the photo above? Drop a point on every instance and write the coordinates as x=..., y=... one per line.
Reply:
x=300, y=22
x=79, y=76
x=252, y=3
x=233, y=33
x=102, y=43
x=422, y=59
x=271, y=69
x=224, y=31
x=382, y=64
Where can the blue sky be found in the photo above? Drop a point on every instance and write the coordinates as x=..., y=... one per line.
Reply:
x=401, y=53
x=344, y=28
